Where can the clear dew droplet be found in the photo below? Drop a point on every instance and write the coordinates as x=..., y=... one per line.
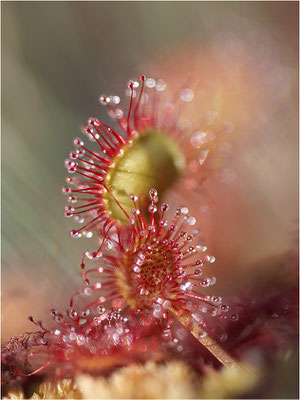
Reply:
x=210, y=259
x=191, y=221
x=164, y=207
x=130, y=92
x=152, y=208
x=75, y=234
x=77, y=142
x=101, y=309
x=102, y=299
x=185, y=286
x=72, y=313
x=160, y=85
x=198, y=139
x=213, y=312
x=201, y=247
x=85, y=313
x=153, y=193
x=66, y=190
x=224, y=308
x=136, y=269
x=216, y=299
x=116, y=99
x=150, y=83
x=102, y=99
x=186, y=95
x=234, y=317
x=88, y=291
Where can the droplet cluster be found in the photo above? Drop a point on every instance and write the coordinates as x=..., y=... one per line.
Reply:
x=158, y=265
x=149, y=110
x=150, y=267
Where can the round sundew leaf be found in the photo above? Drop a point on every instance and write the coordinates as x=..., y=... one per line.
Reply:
x=150, y=160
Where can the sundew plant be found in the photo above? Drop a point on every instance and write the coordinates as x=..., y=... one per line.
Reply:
x=148, y=274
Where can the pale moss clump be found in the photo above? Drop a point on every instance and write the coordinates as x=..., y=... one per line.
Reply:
x=150, y=381
x=14, y=394
x=229, y=382
x=63, y=389
x=172, y=380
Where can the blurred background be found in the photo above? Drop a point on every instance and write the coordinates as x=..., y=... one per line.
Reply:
x=58, y=57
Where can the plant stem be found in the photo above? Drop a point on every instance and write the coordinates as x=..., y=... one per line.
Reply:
x=202, y=336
